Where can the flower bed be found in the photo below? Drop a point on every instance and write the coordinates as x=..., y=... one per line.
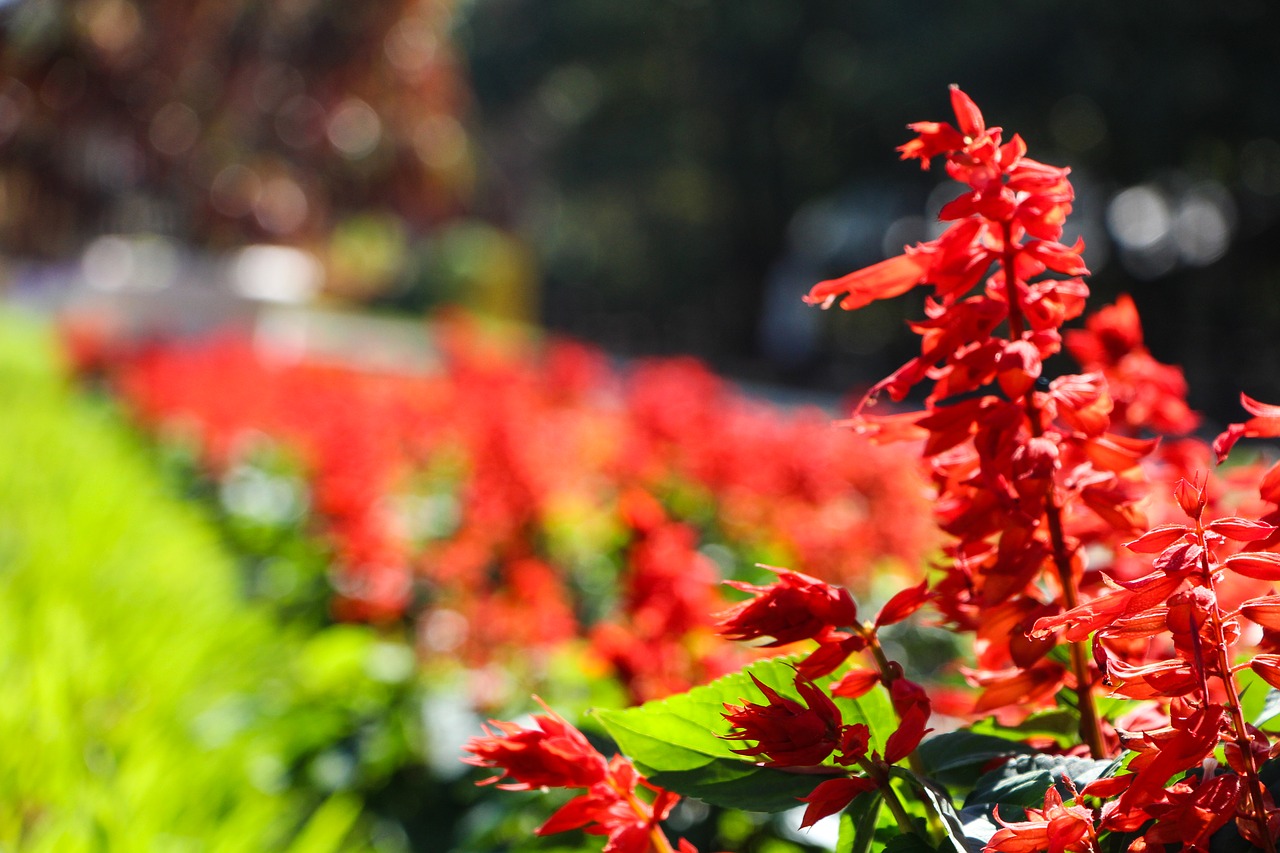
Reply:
x=527, y=493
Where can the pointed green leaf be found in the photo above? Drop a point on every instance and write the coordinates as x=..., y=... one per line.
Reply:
x=957, y=758
x=1023, y=780
x=678, y=742
x=1259, y=700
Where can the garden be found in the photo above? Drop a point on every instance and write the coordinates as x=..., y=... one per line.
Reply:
x=338, y=512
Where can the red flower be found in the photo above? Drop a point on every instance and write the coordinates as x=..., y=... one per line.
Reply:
x=797, y=607
x=832, y=796
x=1056, y=828
x=554, y=755
x=787, y=733
x=1265, y=423
x=557, y=755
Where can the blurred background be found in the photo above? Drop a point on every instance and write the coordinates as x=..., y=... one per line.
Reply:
x=302, y=574
x=657, y=177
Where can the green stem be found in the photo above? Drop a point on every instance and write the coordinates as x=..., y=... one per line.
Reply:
x=890, y=796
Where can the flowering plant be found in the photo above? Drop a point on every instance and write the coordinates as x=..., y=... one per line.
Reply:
x=1119, y=594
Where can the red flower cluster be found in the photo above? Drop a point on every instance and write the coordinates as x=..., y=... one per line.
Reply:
x=557, y=755
x=469, y=497
x=1038, y=478
x=789, y=733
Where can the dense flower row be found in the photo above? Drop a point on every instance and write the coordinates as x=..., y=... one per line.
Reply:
x=1088, y=558
x=482, y=500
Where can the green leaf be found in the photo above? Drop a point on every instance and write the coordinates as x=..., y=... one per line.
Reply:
x=1023, y=780
x=1061, y=724
x=957, y=758
x=738, y=784
x=939, y=802
x=678, y=741
x=844, y=841
x=1259, y=700
x=861, y=817
x=909, y=842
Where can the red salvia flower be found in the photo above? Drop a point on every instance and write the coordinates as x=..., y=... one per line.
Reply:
x=1056, y=828
x=797, y=607
x=554, y=755
x=787, y=733
x=557, y=755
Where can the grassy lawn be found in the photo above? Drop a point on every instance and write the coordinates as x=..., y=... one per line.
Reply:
x=143, y=705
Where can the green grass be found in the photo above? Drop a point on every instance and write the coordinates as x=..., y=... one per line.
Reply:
x=143, y=705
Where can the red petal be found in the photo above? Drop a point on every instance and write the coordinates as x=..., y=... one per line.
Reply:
x=908, y=736
x=1118, y=453
x=832, y=796
x=855, y=683
x=1261, y=410
x=1226, y=440
x=1265, y=610
x=1242, y=529
x=886, y=279
x=576, y=813
x=903, y=604
x=1270, y=488
x=968, y=116
x=1268, y=667
x=1157, y=539
x=1259, y=565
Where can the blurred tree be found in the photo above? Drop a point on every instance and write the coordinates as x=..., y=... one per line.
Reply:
x=674, y=161
x=226, y=121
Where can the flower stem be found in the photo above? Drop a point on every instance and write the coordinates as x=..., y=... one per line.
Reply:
x=1090, y=720
x=1257, y=799
x=890, y=796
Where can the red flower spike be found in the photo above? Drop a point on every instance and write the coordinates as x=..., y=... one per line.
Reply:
x=903, y=604
x=787, y=733
x=797, y=607
x=832, y=796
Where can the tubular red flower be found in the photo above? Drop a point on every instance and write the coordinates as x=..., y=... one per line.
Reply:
x=787, y=733
x=554, y=755
x=1056, y=828
x=797, y=607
